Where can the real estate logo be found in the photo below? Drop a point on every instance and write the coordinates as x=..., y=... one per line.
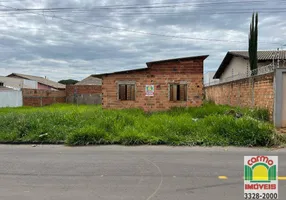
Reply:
x=149, y=90
x=261, y=177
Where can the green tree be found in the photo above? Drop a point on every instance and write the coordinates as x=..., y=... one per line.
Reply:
x=68, y=82
x=252, y=45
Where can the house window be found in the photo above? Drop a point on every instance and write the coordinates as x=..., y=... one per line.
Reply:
x=178, y=92
x=1, y=84
x=127, y=92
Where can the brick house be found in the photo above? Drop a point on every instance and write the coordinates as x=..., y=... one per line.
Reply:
x=87, y=91
x=163, y=84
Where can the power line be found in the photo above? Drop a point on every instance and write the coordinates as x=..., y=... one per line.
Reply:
x=134, y=31
x=206, y=12
x=128, y=30
x=12, y=1
x=137, y=6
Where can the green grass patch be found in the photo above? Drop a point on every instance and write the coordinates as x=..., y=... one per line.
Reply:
x=207, y=125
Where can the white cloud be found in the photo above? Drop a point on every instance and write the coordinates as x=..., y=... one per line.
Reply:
x=59, y=49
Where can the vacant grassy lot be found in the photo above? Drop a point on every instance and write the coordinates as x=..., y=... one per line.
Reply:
x=84, y=125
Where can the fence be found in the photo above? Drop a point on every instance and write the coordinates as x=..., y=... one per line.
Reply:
x=255, y=91
x=259, y=71
x=11, y=98
x=84, y=94
x=36, y=97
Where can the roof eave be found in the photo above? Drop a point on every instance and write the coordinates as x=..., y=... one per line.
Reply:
x=203, y=57
x=117, y=72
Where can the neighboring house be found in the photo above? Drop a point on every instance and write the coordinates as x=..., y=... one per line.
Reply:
x=90, y=80
x=208, y=78
x=237, y=62
x=43, y=83
x=17, y=84
x=162, y=85
x=87, y=91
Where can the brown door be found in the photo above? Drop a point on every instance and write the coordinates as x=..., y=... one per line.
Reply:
x=284, y=101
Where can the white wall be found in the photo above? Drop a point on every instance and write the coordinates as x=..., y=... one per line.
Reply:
x=208, y=78
x=236, y=66
x=11, y=98
x=30, y=84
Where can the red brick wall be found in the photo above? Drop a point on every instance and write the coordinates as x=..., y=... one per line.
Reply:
x=83, y=89
x=35, y=97
x=160, y=75
x=250, y=92
x=84, y=94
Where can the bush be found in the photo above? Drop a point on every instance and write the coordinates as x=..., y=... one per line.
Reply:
x=259, y=114
x=87, y=136
x=244, y=131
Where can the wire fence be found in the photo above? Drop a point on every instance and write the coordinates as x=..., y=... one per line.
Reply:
x=259, y=71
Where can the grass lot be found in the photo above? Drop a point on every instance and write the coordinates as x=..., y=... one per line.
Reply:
x=84, y=125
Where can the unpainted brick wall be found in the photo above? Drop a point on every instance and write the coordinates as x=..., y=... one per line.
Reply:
x=36, y=97
x=84, y=94
x=257, y=91
x=160, y=75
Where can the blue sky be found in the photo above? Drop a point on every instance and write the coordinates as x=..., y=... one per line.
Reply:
x=86, y=37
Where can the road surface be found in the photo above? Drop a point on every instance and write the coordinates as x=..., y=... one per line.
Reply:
x=117, y=172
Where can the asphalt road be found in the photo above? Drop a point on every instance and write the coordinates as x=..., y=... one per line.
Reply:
x=116, y=172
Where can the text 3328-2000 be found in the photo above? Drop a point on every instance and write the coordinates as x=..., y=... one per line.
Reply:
x=260, y=196
x=261, y=177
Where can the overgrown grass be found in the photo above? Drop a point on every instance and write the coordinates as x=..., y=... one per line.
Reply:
x=91, y=125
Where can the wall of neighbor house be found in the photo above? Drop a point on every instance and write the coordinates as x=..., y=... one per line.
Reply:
x=30, y=84
x=251, y=92
x=240, y=65
x=237, y=65
x=18, y=83
x=33, y=97
x=160, y=75
x=11, y=98
x=43, y=87
x=84, y=94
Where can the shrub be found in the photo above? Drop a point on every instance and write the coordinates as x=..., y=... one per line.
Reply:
x=87, y=136
x=259, y=114
x=244, y=131
x=132, y=136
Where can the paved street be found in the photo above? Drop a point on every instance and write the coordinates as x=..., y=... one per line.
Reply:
x=116, y=172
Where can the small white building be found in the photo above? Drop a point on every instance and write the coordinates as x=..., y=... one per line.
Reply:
x=17, y=84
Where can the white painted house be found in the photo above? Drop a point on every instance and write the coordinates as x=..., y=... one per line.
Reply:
x=237, y=62
x=17, y=84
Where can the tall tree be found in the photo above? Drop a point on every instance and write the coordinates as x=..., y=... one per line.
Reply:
x=252, y=45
